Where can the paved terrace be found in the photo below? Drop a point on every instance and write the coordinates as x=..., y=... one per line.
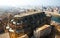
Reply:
x=4, y=35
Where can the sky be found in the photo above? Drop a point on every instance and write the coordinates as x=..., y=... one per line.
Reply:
x=16, y=3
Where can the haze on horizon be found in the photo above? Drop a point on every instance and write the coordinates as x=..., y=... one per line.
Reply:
x=16, y=3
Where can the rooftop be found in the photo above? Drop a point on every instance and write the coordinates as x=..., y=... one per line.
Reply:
x=26, y=14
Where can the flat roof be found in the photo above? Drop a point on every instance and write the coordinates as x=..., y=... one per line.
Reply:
x=26, y=14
